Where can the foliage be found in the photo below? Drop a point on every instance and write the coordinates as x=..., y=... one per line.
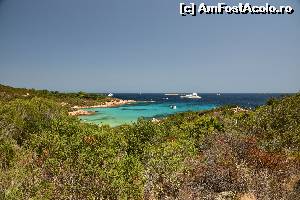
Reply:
x=277, y=124
x=67, y=99
x=46, y=154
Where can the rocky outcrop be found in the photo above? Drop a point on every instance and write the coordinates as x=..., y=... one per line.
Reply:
x=81, y=112
x=108, y=104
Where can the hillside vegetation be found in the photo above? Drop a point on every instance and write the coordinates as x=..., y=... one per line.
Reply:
x=8, y=93
x=219, y=154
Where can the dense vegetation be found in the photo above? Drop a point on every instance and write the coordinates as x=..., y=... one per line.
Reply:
x=220, y=154
x=67, y=99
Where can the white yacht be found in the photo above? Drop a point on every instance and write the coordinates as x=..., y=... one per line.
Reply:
x=194, y=95
x=110, y=94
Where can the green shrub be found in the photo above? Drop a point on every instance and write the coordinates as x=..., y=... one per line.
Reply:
x=46, y=154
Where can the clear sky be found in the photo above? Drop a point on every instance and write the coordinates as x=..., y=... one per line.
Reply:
x=146, y=46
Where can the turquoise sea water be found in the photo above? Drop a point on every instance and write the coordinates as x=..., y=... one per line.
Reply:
x=161, y=106
x=130, y=113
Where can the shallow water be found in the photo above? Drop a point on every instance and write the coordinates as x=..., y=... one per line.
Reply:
x=161, y=107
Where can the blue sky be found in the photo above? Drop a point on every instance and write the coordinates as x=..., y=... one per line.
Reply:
x=146, y=46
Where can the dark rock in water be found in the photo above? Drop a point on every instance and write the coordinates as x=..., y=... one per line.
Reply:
x=137, y=109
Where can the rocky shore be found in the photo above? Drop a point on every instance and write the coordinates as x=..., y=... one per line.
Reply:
x=108, y=104
x=81, y=112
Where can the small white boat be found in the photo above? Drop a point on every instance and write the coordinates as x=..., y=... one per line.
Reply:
x=173, y=107
x=218, y=94
x=194, y=95
x=110, y=95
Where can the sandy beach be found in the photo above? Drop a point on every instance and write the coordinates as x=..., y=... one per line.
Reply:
x=78, y=112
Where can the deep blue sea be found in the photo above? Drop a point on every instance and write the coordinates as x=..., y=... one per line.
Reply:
x=157, y=105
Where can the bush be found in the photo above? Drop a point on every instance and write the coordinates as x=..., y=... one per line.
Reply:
x=46, y=154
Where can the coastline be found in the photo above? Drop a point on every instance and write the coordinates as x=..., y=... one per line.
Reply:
x=109, y=104
x=81, y=113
